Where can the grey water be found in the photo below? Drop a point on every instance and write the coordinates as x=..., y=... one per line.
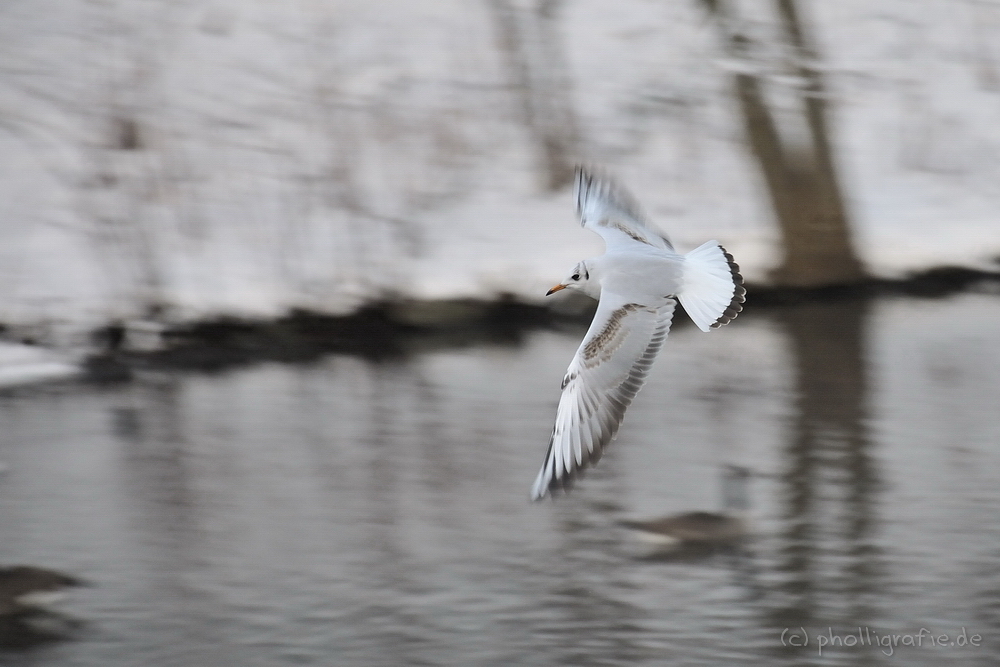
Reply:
x=348, y=512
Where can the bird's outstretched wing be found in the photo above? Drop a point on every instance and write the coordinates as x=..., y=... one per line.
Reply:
x=608, y=209
x=608, y=370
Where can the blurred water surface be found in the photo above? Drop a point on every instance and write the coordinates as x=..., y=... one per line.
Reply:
x=354, y=513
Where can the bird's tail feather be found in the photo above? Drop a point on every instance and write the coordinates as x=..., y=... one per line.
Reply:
x=712, y=293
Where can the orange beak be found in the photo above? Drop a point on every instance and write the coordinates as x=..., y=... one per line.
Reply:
x=555, y=289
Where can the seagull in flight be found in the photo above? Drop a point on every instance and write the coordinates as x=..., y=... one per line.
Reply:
x=637, y=281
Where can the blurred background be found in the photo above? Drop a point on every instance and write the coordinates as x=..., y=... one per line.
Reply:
x=170, y=163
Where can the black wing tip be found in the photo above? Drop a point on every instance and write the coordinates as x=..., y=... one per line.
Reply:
x=557, y=486
x=584, y=181
x=597, y=182
x=735, y=306
x=585, y=173
x=580, y=185
x=561, y=486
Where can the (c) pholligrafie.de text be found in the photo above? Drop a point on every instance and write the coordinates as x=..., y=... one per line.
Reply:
x=887, y=641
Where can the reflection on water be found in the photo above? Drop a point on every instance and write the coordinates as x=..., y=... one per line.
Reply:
x=355, y=513
x=829, y=477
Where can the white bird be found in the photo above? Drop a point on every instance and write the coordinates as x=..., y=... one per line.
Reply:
x=637, y=281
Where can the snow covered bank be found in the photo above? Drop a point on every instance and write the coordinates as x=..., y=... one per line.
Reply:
x=249, y=158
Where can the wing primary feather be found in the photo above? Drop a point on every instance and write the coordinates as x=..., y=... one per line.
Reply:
x=578, y=434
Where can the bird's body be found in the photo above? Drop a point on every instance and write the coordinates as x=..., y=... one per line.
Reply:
x=727, y=527
x=638, y=281
x=25, y=593
x=643, y=274
x=24, y=586
x=691, y=528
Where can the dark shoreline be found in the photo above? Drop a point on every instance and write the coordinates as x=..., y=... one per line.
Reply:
x=391, y=330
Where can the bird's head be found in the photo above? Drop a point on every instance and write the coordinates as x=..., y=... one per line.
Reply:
x=579, y=279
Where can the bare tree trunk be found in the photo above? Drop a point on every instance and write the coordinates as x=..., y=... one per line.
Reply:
x=802, y=180
x=538, y=76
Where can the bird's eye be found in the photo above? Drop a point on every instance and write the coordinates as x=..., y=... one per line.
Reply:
x=575, y=276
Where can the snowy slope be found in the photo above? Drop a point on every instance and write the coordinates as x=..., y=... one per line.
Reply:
x=250, y=157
